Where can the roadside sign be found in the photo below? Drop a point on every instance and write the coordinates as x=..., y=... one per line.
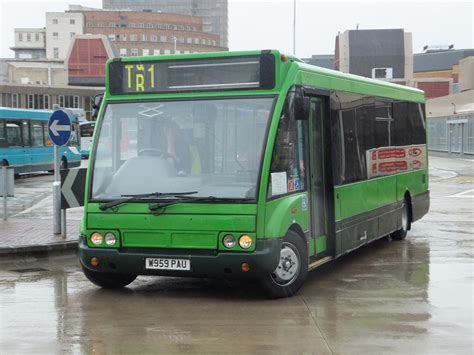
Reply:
x=73, y=183
x=59, y=127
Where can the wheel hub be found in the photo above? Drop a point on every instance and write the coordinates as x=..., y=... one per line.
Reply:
x=288, y=267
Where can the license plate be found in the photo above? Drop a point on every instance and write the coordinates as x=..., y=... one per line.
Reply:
x=168, y=264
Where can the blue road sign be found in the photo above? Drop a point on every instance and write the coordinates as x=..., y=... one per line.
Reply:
x=59, y=127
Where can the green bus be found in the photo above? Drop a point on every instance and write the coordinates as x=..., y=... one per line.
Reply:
x=248, y=165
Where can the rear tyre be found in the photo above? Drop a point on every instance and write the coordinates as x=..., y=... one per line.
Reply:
x=108, y=280
x=401, y=234
x=292, y=268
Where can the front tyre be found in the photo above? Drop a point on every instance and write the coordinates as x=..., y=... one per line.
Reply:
x=108, y=280
x=291, y=270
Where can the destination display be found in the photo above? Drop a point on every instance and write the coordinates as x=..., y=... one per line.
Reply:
x=227, y=73
x=389, y=160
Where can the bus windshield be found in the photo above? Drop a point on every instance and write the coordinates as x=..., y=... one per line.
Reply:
x=213, y=147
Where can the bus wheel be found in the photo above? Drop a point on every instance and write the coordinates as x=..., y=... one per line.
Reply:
x=108, y=280
x=63, y=163
x=401, y=234
x=292, y=269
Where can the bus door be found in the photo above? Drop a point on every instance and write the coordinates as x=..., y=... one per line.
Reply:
x=27, y=153
x=318, y=199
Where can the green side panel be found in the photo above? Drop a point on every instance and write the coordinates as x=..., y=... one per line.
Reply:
x=286, y=211
x=140, y=222
x=321, y=244
x=311, y=247
x=415, y=183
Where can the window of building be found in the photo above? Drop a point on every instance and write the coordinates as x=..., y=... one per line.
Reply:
x=89, y=24
x=72, y=34
x=112, y=24
x=156, y=52
x=15, y=100
x=154, y=38
x=177, y=51
x=134, y=38
x=46, y=100
x=124, y=37
x=55, y=34
x=55, y=21
x=196, y=41
x=134, y=52
x=189, y=40
x=72, y=21
x=37, y=37
x=145, y=52
x=181, y=27
x=132, y=25
x=20, y=37
x=76, y=101
x=28, y=37
x=162, y=38
x=123, y=52
x=186, y=52
x=55, y=53
x=69, y=101
x=141, y=25
x=167, y=51
x=213, y=42
x=144, y=38
x=30, y=103
x=38, y=101
x=149, y=25
x=111, y=37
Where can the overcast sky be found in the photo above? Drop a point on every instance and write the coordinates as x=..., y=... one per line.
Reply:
x=261, y=24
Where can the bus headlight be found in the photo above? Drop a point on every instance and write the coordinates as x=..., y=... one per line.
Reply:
x=245, y=241
x=96, y=238
x=229, y=241
x=110, y=239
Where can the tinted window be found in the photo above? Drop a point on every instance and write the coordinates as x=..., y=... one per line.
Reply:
x=36, y=134
x=402, y=124
x=416, y=114
x=13, y=133
x=3, y=138
x=25, y=134
x=383, y=124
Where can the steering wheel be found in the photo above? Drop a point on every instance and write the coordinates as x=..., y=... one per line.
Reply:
x=150, y=152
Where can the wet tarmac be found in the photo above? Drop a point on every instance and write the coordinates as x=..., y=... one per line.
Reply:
x=414, y=296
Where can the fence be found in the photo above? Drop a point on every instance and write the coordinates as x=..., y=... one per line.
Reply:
x=452, y=134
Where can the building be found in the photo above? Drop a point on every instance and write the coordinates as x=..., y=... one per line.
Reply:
x=150, y=33
x=321, y=60
x=44, y=97
x=213, y=12
x=30, y=43
x=86, y=60
x=451, y=117
x=61, y=27
x=385, y=54
x=32, y=71
x=436, y=71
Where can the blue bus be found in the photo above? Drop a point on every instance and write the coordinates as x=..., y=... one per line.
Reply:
x=25, y=144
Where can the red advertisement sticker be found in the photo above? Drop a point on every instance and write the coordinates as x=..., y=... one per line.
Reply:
x=391, y=153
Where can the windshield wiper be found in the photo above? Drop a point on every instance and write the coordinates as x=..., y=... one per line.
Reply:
x=138, y=197
x=159, y=205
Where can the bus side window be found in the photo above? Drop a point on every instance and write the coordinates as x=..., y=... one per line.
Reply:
x=47, y=140
x=3, y=136
x=13, y=134
x=25, y=131
x=36, y=134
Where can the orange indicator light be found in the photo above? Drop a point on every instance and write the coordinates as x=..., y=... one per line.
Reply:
x=94, y=261
x=245, y=267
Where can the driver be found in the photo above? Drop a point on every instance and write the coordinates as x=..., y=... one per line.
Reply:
x=177, y=147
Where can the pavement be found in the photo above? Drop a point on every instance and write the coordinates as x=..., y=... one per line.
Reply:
x=29, y=229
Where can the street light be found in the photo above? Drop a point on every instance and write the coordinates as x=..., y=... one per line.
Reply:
x=174, y=40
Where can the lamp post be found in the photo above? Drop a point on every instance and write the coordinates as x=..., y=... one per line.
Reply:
x=294, y=27
x=175, y=39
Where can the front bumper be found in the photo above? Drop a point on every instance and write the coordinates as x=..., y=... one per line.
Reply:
x=204, y=263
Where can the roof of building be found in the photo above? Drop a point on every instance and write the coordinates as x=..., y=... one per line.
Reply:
x=437, y=61
x=321, y=60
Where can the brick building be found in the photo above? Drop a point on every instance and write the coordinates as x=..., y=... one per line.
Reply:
x=151, y=33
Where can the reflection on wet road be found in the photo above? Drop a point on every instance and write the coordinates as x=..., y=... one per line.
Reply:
x=413, y=296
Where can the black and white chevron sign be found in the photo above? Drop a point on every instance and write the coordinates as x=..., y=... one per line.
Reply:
x=73, y=183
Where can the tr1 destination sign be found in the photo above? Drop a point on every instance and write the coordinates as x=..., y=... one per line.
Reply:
x=225, y=73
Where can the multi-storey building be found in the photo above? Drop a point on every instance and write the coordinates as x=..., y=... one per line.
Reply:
x=61, y=27
x=30, y=43
x=213, y=12
x=151, y=33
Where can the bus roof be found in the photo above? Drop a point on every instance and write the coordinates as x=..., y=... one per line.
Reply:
x=7, y=112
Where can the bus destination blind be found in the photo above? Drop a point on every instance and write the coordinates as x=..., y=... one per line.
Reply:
x=160, y=76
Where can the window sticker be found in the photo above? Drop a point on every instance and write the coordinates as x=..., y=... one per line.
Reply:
x=279, y=183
